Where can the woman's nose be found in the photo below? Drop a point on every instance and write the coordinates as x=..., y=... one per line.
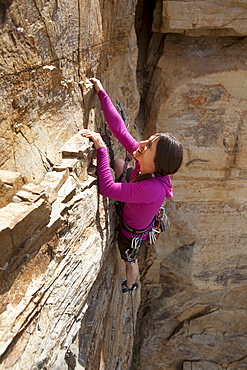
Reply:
x=142, y=146
x=143, y=143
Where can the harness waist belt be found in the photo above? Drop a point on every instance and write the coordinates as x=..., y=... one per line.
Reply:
x=134, y=231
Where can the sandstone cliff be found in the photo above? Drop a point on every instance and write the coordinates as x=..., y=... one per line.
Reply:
x=177, y=66
x=195, y=299
x=61, y=305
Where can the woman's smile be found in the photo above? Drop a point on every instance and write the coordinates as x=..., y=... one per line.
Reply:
x=145, y=154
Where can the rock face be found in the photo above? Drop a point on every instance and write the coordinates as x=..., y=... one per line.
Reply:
x=60, y=272
x=61, y=304
x=48, y=49
x=196, y=18
x=177, y=66
x=195, y=299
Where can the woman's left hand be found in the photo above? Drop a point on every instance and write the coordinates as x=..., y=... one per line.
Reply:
x=96, y=137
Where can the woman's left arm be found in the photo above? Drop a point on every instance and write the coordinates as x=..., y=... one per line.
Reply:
x=113, y=118
x=116, y=124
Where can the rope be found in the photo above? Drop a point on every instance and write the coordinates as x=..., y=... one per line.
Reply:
x=128, y=156
x=132, y=309
x=123, y=179
x=125, y=167
x=120, y=108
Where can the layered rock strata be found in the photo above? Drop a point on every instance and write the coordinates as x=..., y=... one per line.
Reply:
x=52, y=305
x=195, y=298
x=60, y=273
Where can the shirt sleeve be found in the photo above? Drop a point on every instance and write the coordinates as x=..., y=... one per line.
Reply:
x=116, y=124
x=140, y=192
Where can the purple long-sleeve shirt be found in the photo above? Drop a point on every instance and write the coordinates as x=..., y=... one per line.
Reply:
x=142, y=199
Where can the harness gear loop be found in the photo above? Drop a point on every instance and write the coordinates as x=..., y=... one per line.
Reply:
x=161, y=223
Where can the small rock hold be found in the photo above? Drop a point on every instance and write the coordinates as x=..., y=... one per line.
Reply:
x=49, y=67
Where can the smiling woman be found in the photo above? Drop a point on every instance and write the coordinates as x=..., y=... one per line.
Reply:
x=145, y=154
x=156, y=158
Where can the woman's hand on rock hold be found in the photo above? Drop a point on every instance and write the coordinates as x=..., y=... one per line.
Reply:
x=97, y=84
x=95, y=137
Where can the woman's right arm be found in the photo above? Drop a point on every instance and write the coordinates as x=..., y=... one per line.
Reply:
x=113, y=119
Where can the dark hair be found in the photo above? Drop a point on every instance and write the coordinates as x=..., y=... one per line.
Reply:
x=169, y=154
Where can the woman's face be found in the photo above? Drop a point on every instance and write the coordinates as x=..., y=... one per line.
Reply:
x=145, y=154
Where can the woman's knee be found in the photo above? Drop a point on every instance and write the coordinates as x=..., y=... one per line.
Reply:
x=118, y=167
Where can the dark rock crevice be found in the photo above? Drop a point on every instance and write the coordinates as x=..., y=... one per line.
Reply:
x=4, y=5
x=150, y=48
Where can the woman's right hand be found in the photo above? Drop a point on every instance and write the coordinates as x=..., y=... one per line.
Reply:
x=97, y=84
x=97, y=139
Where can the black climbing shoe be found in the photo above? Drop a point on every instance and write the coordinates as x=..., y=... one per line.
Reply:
x=134, y=286
x=125, y=288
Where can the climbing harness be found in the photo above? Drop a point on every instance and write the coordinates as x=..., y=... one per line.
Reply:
x=158, y=224
x=136, y=240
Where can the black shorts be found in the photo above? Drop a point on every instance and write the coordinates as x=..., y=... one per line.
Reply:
x=124, y=245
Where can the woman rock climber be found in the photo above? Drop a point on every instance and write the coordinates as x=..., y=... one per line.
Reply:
x=155, y=158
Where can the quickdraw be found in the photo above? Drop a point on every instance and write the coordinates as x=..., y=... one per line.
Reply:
x=161, y=223
x=131, y=253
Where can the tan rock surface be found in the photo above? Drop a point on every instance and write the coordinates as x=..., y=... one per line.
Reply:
x=10, y=182
x=197, y=18
x=47, y=50
x=196, y=301
x=60, y=277
x=65, y=281
x=60, y=274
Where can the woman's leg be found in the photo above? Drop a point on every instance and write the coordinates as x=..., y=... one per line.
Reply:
x=118, y=167
x=132, y=272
